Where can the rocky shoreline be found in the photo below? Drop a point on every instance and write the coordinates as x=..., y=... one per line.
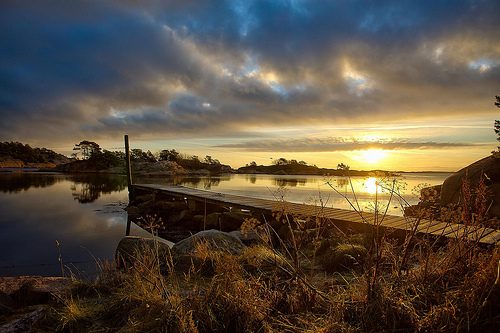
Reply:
x=472, y=193
x=25, y=299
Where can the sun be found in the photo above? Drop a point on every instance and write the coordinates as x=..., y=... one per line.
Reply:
x=373, y=156
x=371, y=185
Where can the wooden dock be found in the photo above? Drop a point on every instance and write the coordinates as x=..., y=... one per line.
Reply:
x=361, y=222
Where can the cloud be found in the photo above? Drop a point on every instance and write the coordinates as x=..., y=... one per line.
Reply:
x=180, y=67
x=332, y=144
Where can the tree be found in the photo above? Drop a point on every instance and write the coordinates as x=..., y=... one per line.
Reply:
x=211, y=161
x=87, y=148
x=106, y=159
x=169, y=155
x=140, y=155
x=497, y=127
x=280, y=161
x=150, y=156
x=497, y=122
x=342, y=166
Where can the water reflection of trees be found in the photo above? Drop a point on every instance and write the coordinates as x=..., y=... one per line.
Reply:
x=251, y=178
x=194, y=182
x=17, y=182
x=342, y=182
x=88, y=188
x=292, y=182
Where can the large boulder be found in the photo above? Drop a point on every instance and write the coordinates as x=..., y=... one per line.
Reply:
x=217, y=240
x=248, y=237
x=132, y=249
x=490, y=166
x=202, y=249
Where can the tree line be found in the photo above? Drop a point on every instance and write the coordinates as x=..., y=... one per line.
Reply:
x=102, y=158
x=25, y=153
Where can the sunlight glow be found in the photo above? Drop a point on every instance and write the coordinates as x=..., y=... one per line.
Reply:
x=373, y=156
x=371, y=185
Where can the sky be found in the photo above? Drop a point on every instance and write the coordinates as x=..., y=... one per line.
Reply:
x=394, y=85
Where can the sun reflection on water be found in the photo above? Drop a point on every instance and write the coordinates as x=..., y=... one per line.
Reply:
x=371, y=185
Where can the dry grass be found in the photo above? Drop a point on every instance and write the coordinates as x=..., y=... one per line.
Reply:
x=362, y=284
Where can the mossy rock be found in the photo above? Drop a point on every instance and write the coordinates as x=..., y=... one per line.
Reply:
x=202, y=250
x=343, y=257
x=133, y=249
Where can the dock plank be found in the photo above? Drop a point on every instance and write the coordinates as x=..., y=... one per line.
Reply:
x=351, y=217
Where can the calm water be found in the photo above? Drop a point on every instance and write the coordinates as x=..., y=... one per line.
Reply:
x=85, y=216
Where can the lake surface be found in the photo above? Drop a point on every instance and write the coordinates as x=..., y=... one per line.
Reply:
x=81, y=218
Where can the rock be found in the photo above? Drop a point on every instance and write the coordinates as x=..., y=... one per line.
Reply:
x=133, y=212
x=174, y=234
x=284, y=232
x=495, y=207
x=145, y=208
x=31, y=290
x=193, y=224
x=431, y=194
x=23, y=324
x=213, y=221
x=181, y=218
x=451, y=189
x=201, y=172
x=172, y=206
x=7, y=304
x=144, y=198
x=203, y=248
x=218, y=240
x=132, y=248
x=173, y=220
x=198, y=221
x=186, y=215
x=29, y=295
x=275, y=224
x=248, y=237
x=231, y=220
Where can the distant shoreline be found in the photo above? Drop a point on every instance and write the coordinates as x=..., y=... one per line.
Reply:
x=330, y=172
x=19, y=169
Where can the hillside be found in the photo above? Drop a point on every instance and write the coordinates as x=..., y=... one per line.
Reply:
x=292, y=167
x=18, y=155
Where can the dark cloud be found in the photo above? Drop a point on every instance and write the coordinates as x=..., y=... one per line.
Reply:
x=85, y=68
x=339, y=144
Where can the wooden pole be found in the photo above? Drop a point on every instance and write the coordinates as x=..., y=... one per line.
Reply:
x=127, y=161
x=129, y=182
x=129, y=224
